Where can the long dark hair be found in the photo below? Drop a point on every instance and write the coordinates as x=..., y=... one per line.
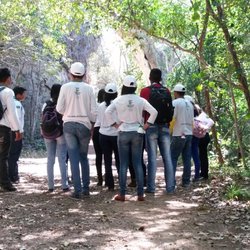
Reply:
x=108, y=97
x=54, y=92
x=128, y=90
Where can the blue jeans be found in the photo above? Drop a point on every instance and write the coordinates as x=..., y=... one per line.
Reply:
x=158, y=135
x=56, y=147
x=182, y=146
x=77, y=138
x=195, y=156
x=130, y=141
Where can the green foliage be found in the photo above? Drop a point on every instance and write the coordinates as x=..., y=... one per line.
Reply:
x=236, y=192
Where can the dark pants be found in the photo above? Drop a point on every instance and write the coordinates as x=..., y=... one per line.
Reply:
x=203, y=143
x=98, y=153
x=14, y=154
x=109, y=145
x=5, y=141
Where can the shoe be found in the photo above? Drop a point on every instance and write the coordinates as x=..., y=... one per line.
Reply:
x=85, y=194
x=132, y=184
x=119, y=197
x=65, y=190
x=196, y=179
x=185, y=185
x=9, y=188
x=140, y=198
x=76, y=196
x=50, y=190
x=99, y=184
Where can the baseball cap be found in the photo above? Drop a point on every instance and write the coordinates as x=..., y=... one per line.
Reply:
x=179, y=88
x=129, y=81
x=111, y=88
x=77, y=69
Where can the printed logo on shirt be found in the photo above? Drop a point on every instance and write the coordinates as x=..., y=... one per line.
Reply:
x=77, y=92
x=130, y=104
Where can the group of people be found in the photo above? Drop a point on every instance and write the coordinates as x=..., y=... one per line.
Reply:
x=124, y=125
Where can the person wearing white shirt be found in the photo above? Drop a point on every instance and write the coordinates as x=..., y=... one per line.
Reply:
x=129, y=108
x=182, y=132
x=16, y=146
x=77, y=104
x=108, y=135
x=8, y=122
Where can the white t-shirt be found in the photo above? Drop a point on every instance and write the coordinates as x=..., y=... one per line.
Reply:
x=183, y=116
x=102, y=122
x=77, y=103
x=10, y=118
x=20, y=114
x=129, y=110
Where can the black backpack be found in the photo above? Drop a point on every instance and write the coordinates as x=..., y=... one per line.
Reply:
x=2, y=110
x=51, y=123
x=161, y=100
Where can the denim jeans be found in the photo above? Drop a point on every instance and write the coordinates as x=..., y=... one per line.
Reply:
x=159, y=135
x=77, y=138
x=130, y=141
x=195, y=156
x=56, y=147
x=203, y=144
x=5, y=140
x=182, y=146
x=109, y=145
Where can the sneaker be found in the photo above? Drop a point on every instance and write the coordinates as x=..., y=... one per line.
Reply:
x=9, y=188
x=65, y=190
x=85, y=194
x=119, y=197
x=50, y=190
x=140, y=198
x=76, y=196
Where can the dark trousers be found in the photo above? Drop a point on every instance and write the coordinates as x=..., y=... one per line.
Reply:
x=203, y=144
x=109, y=145
x=14, y=154
x=98, y=153
x=5, y=141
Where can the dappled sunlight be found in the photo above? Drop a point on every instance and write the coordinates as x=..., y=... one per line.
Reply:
x=180, y=205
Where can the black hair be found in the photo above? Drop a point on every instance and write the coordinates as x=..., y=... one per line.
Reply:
x=100, y=95
x=19, y=90
x=54, y=92
x=108, y=97
x=128, y=90
x=4, y=74
x=155, y=75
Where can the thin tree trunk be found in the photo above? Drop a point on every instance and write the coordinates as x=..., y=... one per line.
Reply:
x=216, y=143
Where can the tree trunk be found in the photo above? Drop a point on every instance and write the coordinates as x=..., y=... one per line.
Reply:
x=216, y=143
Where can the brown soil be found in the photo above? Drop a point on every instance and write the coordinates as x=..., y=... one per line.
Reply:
x=193, y=218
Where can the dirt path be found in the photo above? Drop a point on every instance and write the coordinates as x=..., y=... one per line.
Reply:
x=194, y=218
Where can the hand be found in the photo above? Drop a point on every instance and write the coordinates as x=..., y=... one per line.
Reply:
x=18, y=136
x=146, y=126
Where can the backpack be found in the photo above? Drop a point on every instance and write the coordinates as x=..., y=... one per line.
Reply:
x=161, y=100
x=199, y=129
x=51, y=123
x=2, y=110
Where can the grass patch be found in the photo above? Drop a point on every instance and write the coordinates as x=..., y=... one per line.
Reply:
x=236, y=192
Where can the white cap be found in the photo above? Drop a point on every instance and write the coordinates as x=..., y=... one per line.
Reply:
x=111, y=88
x=129, y=81
x=189, y=98
x=179, y=88
x=77, y=69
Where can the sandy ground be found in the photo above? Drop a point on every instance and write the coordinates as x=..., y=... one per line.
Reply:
x=194, y=218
